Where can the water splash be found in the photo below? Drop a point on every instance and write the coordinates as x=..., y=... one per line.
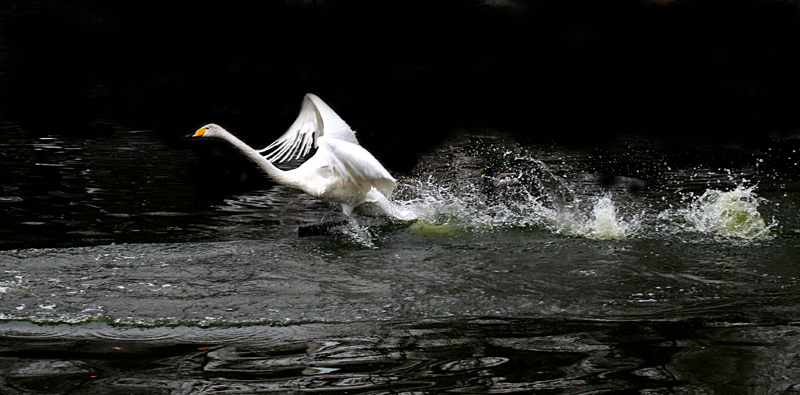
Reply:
x=463, y=206
x=447, y=210
x=732, y=214
x=606, y=223
x=603, y=222
x=352, y=232
x=548, y=193
x=485, y=184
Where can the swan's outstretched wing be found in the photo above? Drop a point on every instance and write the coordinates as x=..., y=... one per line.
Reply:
x=353, y=163
x=316, y=119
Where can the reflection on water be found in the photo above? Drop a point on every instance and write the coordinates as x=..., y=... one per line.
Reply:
x=126, y=187
x=638, y=266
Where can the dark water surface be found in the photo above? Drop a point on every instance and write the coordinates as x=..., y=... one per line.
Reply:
x=647, y=240
x=634, y=267
x=458, y=355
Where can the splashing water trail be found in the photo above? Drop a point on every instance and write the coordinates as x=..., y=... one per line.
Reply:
x=551, y=196
x=443, y=210
x=731, y=214
x=463, y=196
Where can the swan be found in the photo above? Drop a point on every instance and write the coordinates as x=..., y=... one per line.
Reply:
x=341, y=171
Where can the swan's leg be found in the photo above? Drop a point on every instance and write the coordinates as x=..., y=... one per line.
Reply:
x=347, y=209
x=390, y=209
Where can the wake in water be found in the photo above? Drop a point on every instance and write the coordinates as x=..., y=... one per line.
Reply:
x=459, y=196
x=447, y=210
x=732, y=214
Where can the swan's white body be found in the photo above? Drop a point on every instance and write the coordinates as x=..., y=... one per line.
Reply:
x=341, y=171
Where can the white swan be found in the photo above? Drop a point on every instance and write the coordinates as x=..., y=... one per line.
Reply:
x=341, y=171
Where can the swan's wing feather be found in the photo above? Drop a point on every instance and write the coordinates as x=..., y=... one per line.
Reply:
x=316, y=119
x=296, y=142
x=355, y=164
x=334, y=126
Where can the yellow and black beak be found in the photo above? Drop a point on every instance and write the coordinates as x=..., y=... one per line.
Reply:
x=200, y=132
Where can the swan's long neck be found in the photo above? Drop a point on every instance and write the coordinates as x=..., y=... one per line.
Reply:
x=277, y=174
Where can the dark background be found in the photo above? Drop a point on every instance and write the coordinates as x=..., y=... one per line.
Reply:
x=406, y=73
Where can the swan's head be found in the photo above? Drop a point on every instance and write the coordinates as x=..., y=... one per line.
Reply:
x=210, y=130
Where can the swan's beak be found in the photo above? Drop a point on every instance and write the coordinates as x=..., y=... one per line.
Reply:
x=200, y=132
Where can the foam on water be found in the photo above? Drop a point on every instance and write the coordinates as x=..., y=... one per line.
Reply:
x=444, y=210
x=559, y=199
x=728, y=213
x=732, y=214
x=603, y=222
